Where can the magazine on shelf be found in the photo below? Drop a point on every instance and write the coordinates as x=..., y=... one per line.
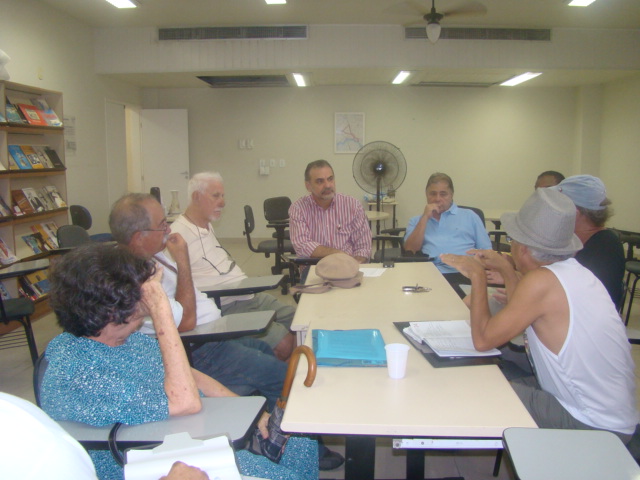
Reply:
x=13, y=115
x=4, y=293
x=22, y=202
x=48, y=236
x=36, y=243
x=34, y=200
x=7, y=257
x=32, y=156
x=47, y=112
x=32, y=114
x=53, y=156
x=19, y=157
x=55, y=196
x=42, y=155
x=5, y=211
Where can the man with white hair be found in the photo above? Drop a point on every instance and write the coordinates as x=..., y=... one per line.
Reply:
x=211, y=264
x=584, y=373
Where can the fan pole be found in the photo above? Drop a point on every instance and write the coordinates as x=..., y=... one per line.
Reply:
x=378, y=200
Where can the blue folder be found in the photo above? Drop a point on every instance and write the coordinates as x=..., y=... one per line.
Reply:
x=349, y=348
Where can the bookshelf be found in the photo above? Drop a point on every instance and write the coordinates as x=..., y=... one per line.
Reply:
x=14, y=227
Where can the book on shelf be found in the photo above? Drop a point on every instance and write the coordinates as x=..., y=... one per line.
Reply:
x=55, y=196
x=22, y=202
x=36, y=282
x=34, y=200
x=13, y=114
x=7, y=256
x=46, y=200
x=49, y=235
x=4, y=293
x=32, y=114
x=5, y=211
x=32, y=156
x=36, y=243
x=447, y=338
x=42, y=155
x=53, y=156
x=2, y=118
x=19, y=157
x=47, y=112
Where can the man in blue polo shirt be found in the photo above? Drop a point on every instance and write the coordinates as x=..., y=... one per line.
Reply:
x=443, y=227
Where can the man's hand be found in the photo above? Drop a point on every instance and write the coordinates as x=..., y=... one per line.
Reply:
x=431, y=209
x=262, y=425
x=182, y=471
x=152, y=291
x=466, y=265
x=492, y=260
x=177, y=248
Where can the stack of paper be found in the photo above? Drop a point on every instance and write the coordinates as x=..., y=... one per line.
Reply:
x=449, y=338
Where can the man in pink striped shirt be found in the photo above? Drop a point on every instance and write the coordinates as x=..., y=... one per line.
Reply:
x=327, y=222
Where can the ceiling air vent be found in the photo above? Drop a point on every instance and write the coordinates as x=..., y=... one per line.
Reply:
x=246, y=81
x=231, y=33
x=450, y=33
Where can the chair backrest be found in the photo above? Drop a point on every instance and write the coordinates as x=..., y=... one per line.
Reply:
x=72, y=236
x=39, y=369
x=479, y=212
x=80, y=216
x=249, y=221
x=155, y=191
x=276, y=209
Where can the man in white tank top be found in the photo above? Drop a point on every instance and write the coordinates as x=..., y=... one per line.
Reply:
x=576, y=340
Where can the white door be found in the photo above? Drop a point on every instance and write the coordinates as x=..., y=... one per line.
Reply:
x=164, y=137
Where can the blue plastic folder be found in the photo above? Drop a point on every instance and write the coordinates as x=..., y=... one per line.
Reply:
x=349, y=348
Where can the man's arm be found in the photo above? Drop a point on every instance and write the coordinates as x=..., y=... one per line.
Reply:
x=361, y=237
x=185, y=291
x=179, y=384
x=299, y=233
x=414, y=240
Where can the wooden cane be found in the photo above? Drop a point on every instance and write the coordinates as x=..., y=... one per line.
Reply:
x=291, y=371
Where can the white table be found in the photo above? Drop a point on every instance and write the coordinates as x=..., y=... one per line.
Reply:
x=550, y=454
x=460, y=406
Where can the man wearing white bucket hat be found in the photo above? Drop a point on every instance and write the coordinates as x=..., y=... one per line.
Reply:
x=576, y=341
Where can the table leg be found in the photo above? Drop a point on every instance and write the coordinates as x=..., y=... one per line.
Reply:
x=415, y=464
x=360, y=453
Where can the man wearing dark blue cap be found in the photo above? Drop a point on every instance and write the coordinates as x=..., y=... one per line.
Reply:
x=577, y=344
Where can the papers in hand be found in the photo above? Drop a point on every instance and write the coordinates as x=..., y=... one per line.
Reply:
x=215, y=456
x=449, y=338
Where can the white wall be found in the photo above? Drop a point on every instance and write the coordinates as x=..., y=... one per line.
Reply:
x=493, y=142
x=39, y=39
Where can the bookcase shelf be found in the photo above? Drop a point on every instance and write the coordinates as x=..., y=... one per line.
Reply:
x=12, y=229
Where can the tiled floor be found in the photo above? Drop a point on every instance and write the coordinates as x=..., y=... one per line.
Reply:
x=16, y=372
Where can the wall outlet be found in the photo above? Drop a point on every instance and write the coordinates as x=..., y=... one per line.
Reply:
x=283, y=163
x=272, y=162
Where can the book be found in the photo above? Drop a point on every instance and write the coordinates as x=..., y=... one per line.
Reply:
x=32, y=156
x=22, y=202
x=5, y=211
x=52, y=231
x=38, y=282
x=4, y=293
x=7, y=256
x=32, y=114
x=42, y=155
x=46, y=200
x=13, y=115
x=53, y=156
x=34, y=242
x=55, y=196
x=2, y=118
x=19, y=157
x=49, y=238
x=35, y=202
x=47, y=112
x=447, y=338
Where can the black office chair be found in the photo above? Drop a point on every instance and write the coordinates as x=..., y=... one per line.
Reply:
x=267, y=247
x=18, y=310
x=477, y=211
x=80, y=216
x=276, y=212
x=39, y=368
x=70, y=236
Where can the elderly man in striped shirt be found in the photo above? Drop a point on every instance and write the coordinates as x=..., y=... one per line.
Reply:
x=327, y=222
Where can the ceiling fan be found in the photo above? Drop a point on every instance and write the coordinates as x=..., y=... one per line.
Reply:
x=433, y=18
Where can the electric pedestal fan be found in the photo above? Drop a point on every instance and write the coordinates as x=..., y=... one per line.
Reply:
x=378, y=167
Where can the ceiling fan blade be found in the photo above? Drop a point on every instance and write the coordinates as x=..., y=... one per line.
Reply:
x=471, y=8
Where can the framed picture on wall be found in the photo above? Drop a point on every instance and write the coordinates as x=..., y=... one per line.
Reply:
x=349, y=132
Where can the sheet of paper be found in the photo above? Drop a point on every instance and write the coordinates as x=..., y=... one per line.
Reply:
x=372, y=272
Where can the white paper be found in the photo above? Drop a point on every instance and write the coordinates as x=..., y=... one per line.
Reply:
x=372, y=272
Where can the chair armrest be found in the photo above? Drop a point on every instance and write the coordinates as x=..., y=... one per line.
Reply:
x=245, y=286
x=394, y=231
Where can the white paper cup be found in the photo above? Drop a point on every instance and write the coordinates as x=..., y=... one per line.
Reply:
x=397, y=359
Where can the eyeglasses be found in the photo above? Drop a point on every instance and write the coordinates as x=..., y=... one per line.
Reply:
x=229, y=259
x=161, y=228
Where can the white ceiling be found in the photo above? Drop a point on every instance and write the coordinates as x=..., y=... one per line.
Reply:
x=603, y=14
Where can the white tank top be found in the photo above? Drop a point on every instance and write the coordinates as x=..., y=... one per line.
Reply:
x=593, y=374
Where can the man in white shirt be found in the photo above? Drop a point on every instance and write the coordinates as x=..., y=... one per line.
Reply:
x=578, y=347
x=212, y=265
x=245, y=365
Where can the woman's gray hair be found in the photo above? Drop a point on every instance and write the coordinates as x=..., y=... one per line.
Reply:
x=200, y=181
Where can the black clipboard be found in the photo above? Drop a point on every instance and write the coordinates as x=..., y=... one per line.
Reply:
x=441, y=362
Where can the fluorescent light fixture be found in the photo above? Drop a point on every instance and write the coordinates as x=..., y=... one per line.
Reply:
x=122, y=3
x=401, y=77
x=275, y=2
x=519, y=79
x=581, y=3
x=299, y=78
